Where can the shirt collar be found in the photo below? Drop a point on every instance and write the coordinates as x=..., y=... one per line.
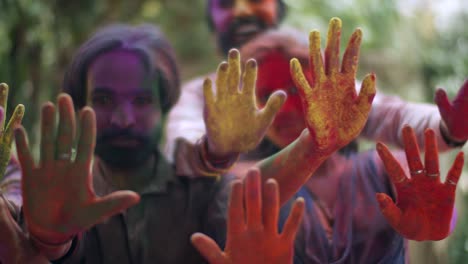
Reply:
x=163, y=173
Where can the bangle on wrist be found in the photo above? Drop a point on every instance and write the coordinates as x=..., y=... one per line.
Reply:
x=51, y=251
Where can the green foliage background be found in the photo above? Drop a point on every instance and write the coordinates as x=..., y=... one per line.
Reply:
x=410, y=54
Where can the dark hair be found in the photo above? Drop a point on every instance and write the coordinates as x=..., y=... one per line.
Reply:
x=281, y=12
x=146, y=40
x=290, y=42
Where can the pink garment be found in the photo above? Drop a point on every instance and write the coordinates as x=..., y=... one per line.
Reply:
x=357, y=232
x=10, y=186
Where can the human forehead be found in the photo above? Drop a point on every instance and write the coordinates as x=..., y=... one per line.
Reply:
x=119, y=70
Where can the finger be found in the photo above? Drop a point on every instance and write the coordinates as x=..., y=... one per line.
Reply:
x=455, y=171
x=294, y=220
x=315, y=59
x=366, y=95
x=270, y=203
x=15, y=121
x=463, y=92
x=207, y=248
x=412, y=152
x=393, y=168
x=221, y=81
x=236, y=220
x=253, y=199
x=2, y=114
x=431, y=159
x=250, y=76
x=351, y=55
x=273, y=105
x=300, y=80
x=388, y=208
x=24, y=154
x=332, y=50
x=107, y=206
x=3, y=102
x=443, y=103
x=87, y=139
x=208, y=93
x=66, y=127
x=233, y=71
x=47, y=133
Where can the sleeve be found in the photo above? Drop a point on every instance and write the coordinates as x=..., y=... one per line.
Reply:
x=389, y=114
x=10, y=186
x=185, y=119
x=74, y=253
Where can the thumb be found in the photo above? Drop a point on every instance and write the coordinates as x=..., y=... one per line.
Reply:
x=207, y=248
x=366, y=94
x=443, y=103
x=272, y=106
x=109, y=205
x=388, y=208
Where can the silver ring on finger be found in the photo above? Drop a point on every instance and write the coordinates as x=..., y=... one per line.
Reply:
x=451, y=182
x=417, y=172
x=64, y=156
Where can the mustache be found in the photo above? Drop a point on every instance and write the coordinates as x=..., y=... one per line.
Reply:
x=111, y=134
x=241, y=21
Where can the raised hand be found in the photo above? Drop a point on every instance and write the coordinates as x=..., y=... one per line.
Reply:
x=6, y=133
x=252, y=232
x=335, y=115
x=234, y=124
x=59, y=200
x=455, y=113
x=15, y=247
x=424, y=206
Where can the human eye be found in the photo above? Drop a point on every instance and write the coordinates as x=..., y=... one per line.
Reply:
x=102, y=100
x=143, y=100
x=292, y=90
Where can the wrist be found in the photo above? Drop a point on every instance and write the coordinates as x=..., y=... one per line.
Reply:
x=448, y=138
x=211, y=164
x=311, y=146
x=215, y=157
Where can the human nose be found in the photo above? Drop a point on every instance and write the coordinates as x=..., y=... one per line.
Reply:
x=242, y=8
x=123, y=116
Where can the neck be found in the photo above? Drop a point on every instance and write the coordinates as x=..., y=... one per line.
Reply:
x=325, y=181
x=134, y=179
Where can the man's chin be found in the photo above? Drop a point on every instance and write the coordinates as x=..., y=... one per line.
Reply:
x=235, y=41
x=124, y=157
x=240, y=40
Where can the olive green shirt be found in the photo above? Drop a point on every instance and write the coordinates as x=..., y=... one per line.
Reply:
x=158, y=228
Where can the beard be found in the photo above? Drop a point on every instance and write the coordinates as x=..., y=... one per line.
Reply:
x=125, y=157
x=240, y=31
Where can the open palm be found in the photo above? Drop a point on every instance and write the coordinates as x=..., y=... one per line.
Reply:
x=234, y=124
x=252, y=233
x=59, y=200
x=335, y=115
x=424, y=206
